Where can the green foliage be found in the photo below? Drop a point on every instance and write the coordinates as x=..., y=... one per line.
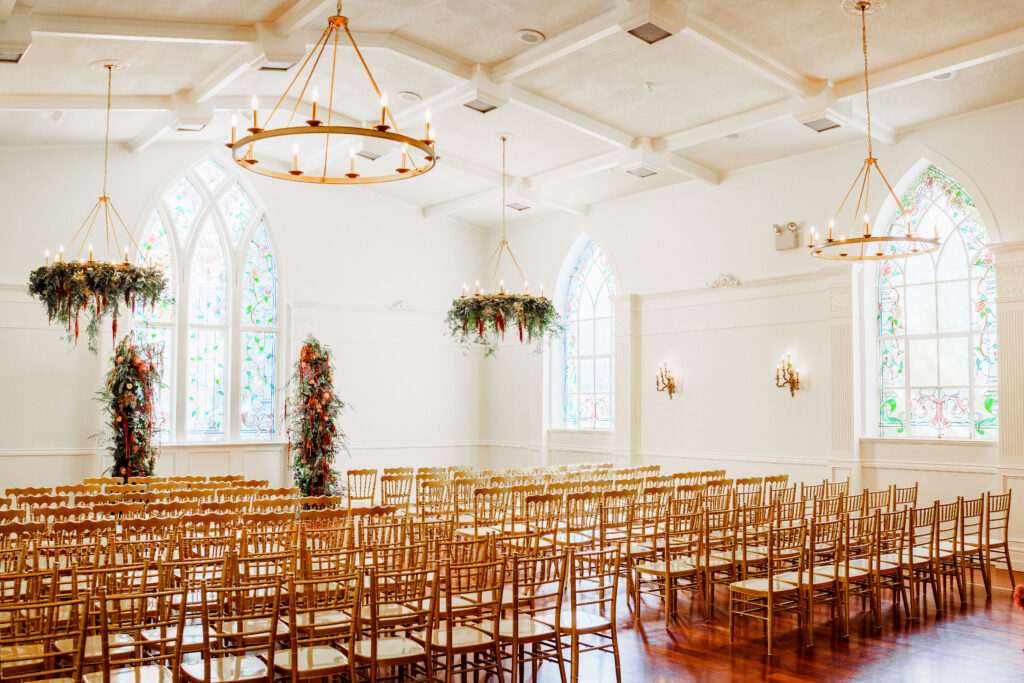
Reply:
x=67, y=288
x=313, y=430
x=128, y=406
x=483, y=320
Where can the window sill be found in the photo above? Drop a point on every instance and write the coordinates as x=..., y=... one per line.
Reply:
x=221, y=444
x=563, y=430
x=928, y=442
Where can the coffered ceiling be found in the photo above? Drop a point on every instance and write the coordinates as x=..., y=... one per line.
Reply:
x=589, y=109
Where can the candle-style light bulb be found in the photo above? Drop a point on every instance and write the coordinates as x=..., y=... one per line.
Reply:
x=60, y=253
x=126, y=254
x=463, y=290
x=295, y=156
x=383, y=108
x=90, y=252
x=426, y=122
x=477, y=287
x=501, y=286
x=255, y=110
x=46, y=257
x=867, y=230
x=316, y=96
x=831, y=225
x=234, y=127
x=542, y=290
x=526, y=286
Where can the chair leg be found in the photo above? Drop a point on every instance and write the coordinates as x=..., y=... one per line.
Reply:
x=575, y=661
x=809, y=623
x=1009, y=565
x=732, y=623
x=615, y=653
x=768, y=622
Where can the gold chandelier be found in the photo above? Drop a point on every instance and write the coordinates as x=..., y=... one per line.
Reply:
x=864, y=246
x=321, y=140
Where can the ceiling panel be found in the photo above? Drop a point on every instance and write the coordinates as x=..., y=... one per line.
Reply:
x=609, y=184
x=774, y=141
x=479, y=31
x=247, y=12
x=439, y=185
x=489, y=216
x=538, y=143
x=980, y=86
x=652, y=89
x=72, y=128
x=62, y=66
x=817, y=38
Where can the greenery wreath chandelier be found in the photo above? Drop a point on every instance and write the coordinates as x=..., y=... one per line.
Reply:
x=482, y=319
x=67, y=287
x=320, y=141
x=863, y=245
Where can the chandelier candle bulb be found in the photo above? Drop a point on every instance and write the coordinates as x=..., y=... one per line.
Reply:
x=255, y=111
x=426, y=126
x=234, y=127
x=316, y=96
x=60, y=254
x=90, y=252
x=126, y=254
x=46, y=257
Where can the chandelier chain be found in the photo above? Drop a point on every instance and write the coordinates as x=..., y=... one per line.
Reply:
x=504, y=182
x=106, y=137
x=867, y=91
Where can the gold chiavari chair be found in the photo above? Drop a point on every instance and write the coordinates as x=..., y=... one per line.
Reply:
x=877, y=500
x=819, y=584
x=318, y=616
x=968, y=545
x=754, y=524
x=18, y=492
x=580, y=516
x=240, y=627
x=717, y=561
x=362, y=486
x=140, y=636
x=490, y=513
x=673, y=566
x=259, y=568
x=542, y=516
x=827, y=509
x=530, y=634
x=995, y=540
x=809, y=492
x=394, y=606
x=396, y=491
x=328, y=562
x=465, y=629
x=890, y=551
x=592, y=578
x=103, y=481
x=765, y=597
x=42, y=500
x=316, y=502
x=837, y=488
x=945, y=561
x=29, y=632
x=781, y=494
x=686, y=478
x=750, y=485
x=917, y=562
x=289, y=506
x=903, y=496
x=857, y=566
x=432, y=499
x=855, y=504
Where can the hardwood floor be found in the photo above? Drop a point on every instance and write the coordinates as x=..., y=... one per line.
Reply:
x=981, y=641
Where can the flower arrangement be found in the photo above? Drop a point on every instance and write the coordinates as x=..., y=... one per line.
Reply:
x=128, y=403
x=483, y=319
x=67, y=288
x=1018, y=595
x=313, y=430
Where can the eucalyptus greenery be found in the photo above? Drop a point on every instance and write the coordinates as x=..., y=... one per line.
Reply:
x=314, y=435
x=67, y=288
x=128, y=400
x=482, y=320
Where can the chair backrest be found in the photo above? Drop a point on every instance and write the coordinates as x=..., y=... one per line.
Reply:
x=997, y=517
x=592, y=577
x=141, y=628
x=901, y=496
x=922, y=529
x=237, y=620
x=362, y=485
x=878, y=500
x=543, y=512
x=394, y=604
x=320, y=611
x=787, y=552
x=478, y=586
x=396, y=489
x=837, y=488
x=825, y=544
x=972, y=522
x=30, y=634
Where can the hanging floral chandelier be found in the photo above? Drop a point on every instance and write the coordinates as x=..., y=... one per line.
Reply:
x=863, y=245
x=321, y=144
x=97, y=287
x=482, y=319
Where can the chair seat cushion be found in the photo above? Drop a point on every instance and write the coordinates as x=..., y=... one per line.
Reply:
x=226, y=669
x=152, y=673
x=677, y=566
x=527, y=629
x=316, y=658
x=393, y=647
x=762, y=586
x=586, y=622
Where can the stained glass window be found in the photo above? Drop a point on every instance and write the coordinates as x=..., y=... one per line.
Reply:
x=937, y=349
x=588, y=344
x=213, y=350
x=237, y=210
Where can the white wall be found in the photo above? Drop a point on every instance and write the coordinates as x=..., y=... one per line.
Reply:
x=346, y=255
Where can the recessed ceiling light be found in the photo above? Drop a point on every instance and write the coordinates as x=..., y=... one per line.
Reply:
x=945, y=76
x=409, y=96
x=732, y=136
x=529, y=36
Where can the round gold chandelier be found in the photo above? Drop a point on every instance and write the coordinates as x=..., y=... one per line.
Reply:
x=863, y=245
x=323, y=143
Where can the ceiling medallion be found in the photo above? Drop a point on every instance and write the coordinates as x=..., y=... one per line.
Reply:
x=97, y=287
x=483, y=318
x=321, y=143
x=864, y=246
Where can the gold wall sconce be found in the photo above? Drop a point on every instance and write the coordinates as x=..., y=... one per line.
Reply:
x=786, y=376
x=664, y=381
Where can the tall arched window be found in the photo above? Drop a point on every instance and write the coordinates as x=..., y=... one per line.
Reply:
x=937, y=351
x=218, y=326
x=588, y=386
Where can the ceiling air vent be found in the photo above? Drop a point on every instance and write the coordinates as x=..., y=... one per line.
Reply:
x=276, y=65
x=641, y=171
x=189, y=126
x=650, y=33
x=821, y=125
x=517, y=205
x=480, y=105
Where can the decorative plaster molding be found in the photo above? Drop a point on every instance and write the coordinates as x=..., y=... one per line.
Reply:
x=724, y=280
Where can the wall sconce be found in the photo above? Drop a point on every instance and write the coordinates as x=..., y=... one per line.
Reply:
x=664, y=381
x=786, y=376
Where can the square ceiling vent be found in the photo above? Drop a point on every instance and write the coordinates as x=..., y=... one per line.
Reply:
x=517, y=205
x=821, y=125
x=480, y=105
x=641, y=171
x=650, y=33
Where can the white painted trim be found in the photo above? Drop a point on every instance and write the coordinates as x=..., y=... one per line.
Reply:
x=930, y=442
x=45, y=452
x=928, y=466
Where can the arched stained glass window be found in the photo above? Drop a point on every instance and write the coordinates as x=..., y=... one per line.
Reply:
x=937, y=350
x=588, y=351
x=219, y=325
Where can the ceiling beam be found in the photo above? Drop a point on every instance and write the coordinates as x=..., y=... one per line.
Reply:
x=960, y=57
x=574, y=119
x=239, y=63
x=575, y=208
x=781, y=75
x=152, y=133
x=407, y=48
x=492, y=195
x=472, y=168
x=578, y=169
x=85, y=102
x=301, y=13
x=719, y=128
x=141, y=29
x=6, y=7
